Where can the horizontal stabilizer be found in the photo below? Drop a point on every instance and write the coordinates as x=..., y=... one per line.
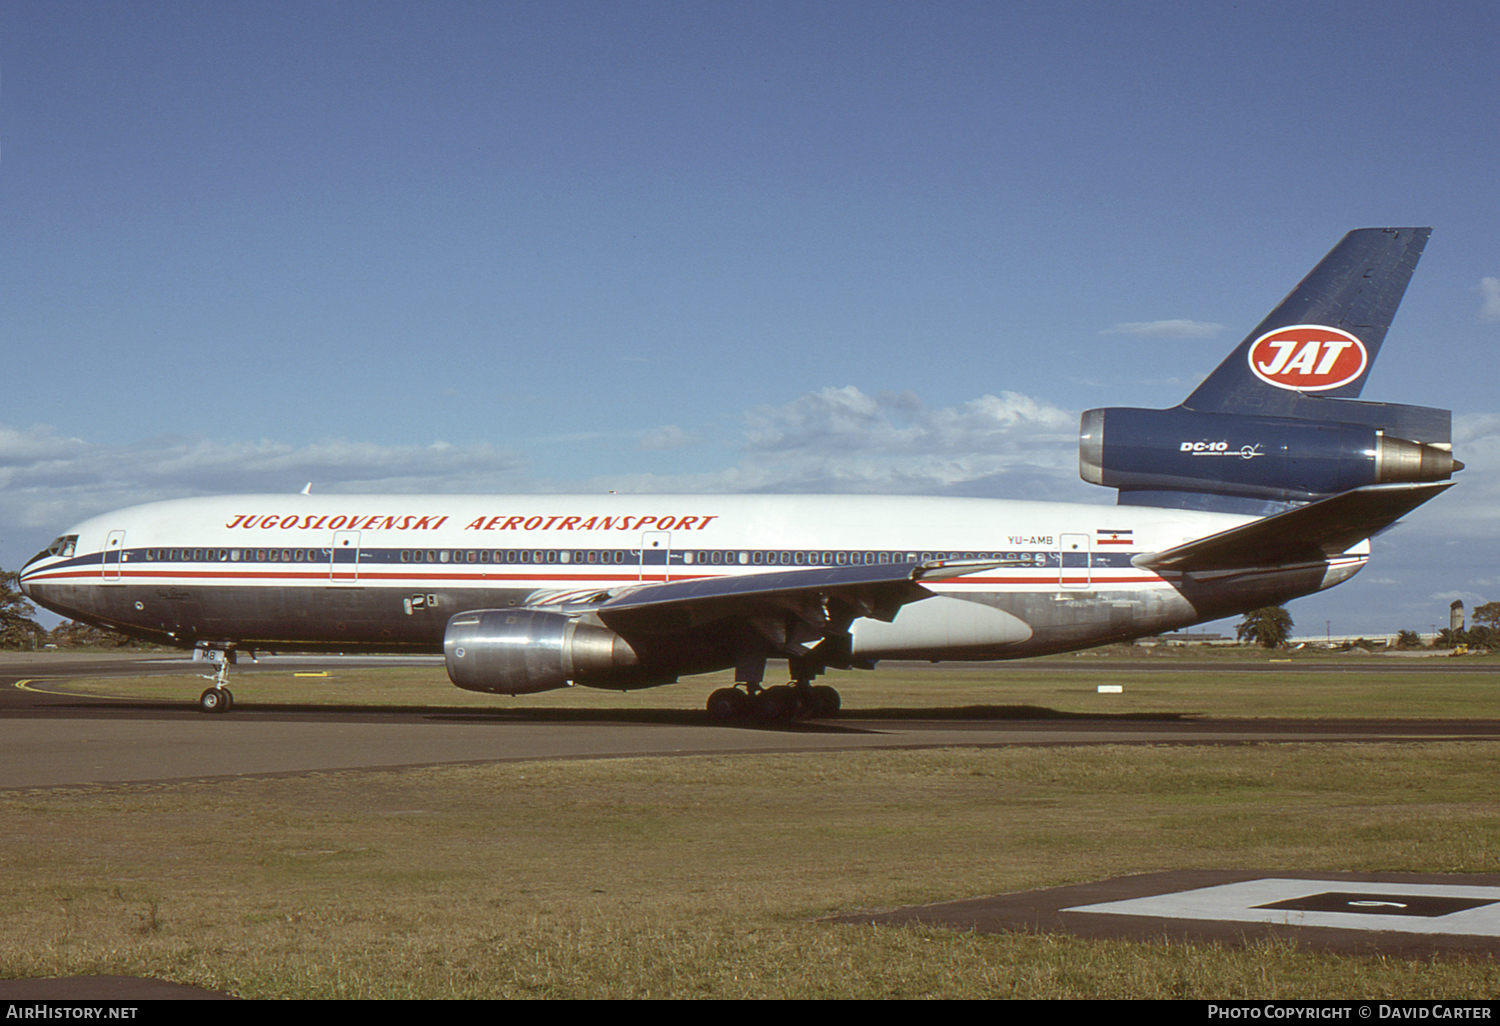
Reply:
x=1307, y=534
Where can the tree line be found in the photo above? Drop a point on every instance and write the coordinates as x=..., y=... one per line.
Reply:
x=1271, y=627
x=1483, y=630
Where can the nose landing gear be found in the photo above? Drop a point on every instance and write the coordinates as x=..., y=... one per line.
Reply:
x=217, y=699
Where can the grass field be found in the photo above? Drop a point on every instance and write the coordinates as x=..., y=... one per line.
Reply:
x=707, y=876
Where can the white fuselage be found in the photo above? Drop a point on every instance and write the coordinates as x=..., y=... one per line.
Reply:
x=386, y=571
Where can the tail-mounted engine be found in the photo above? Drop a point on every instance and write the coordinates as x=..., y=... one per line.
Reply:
x=1274, y=459
x=519, y=651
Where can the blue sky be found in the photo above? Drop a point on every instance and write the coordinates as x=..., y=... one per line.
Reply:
x=715, y=246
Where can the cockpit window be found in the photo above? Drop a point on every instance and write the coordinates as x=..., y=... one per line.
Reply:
x=62, y=546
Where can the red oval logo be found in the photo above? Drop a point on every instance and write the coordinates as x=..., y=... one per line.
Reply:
x=1308, y=358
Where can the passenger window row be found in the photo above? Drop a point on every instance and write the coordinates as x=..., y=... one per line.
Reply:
x=686, y=557
x=236, y=555
x=702, y=557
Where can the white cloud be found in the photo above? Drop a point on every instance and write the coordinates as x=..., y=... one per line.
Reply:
x=668, y=436
x=1468, y=598
x=1489, y=296
x=1180, y=328
x=18, y=448
x=835, y=440
x=842, y=440
x=838, y=421
x=47, y=482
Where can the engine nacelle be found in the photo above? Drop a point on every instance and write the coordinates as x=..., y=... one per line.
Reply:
x=1273, y=458
x=519, y=651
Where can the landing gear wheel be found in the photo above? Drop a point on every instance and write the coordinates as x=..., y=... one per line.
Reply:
x=776, y=704
x=727, y=705
x=825, y=702
x=215, y=700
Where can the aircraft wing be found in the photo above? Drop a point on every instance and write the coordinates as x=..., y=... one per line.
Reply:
x=874, y=591
x=1307, y=534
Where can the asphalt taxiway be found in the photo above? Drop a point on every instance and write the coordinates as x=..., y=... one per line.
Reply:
x=52, y=738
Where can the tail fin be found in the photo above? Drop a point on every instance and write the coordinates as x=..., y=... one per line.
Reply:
x=1352, y=296
x=1278, y=424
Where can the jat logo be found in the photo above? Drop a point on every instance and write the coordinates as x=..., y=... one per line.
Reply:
x=1308, y=358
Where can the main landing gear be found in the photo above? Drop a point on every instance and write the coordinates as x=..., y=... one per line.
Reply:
x=217, y=699
x=780, y=703
x=800, y=699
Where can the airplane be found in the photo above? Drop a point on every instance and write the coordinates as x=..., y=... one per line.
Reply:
x=1263, y=485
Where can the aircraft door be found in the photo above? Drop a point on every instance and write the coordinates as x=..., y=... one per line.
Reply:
x=656, y=555
x=1073, y=561
x=343, y=560
x=114, y=547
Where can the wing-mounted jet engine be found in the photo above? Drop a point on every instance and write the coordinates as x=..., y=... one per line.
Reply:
x=522, y=651
x=1277, y=424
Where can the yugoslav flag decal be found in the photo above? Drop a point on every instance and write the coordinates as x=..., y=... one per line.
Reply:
x=1308, y=357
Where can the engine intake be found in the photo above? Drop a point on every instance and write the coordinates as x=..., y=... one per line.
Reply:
x=1274, y=458
x=520, y=651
